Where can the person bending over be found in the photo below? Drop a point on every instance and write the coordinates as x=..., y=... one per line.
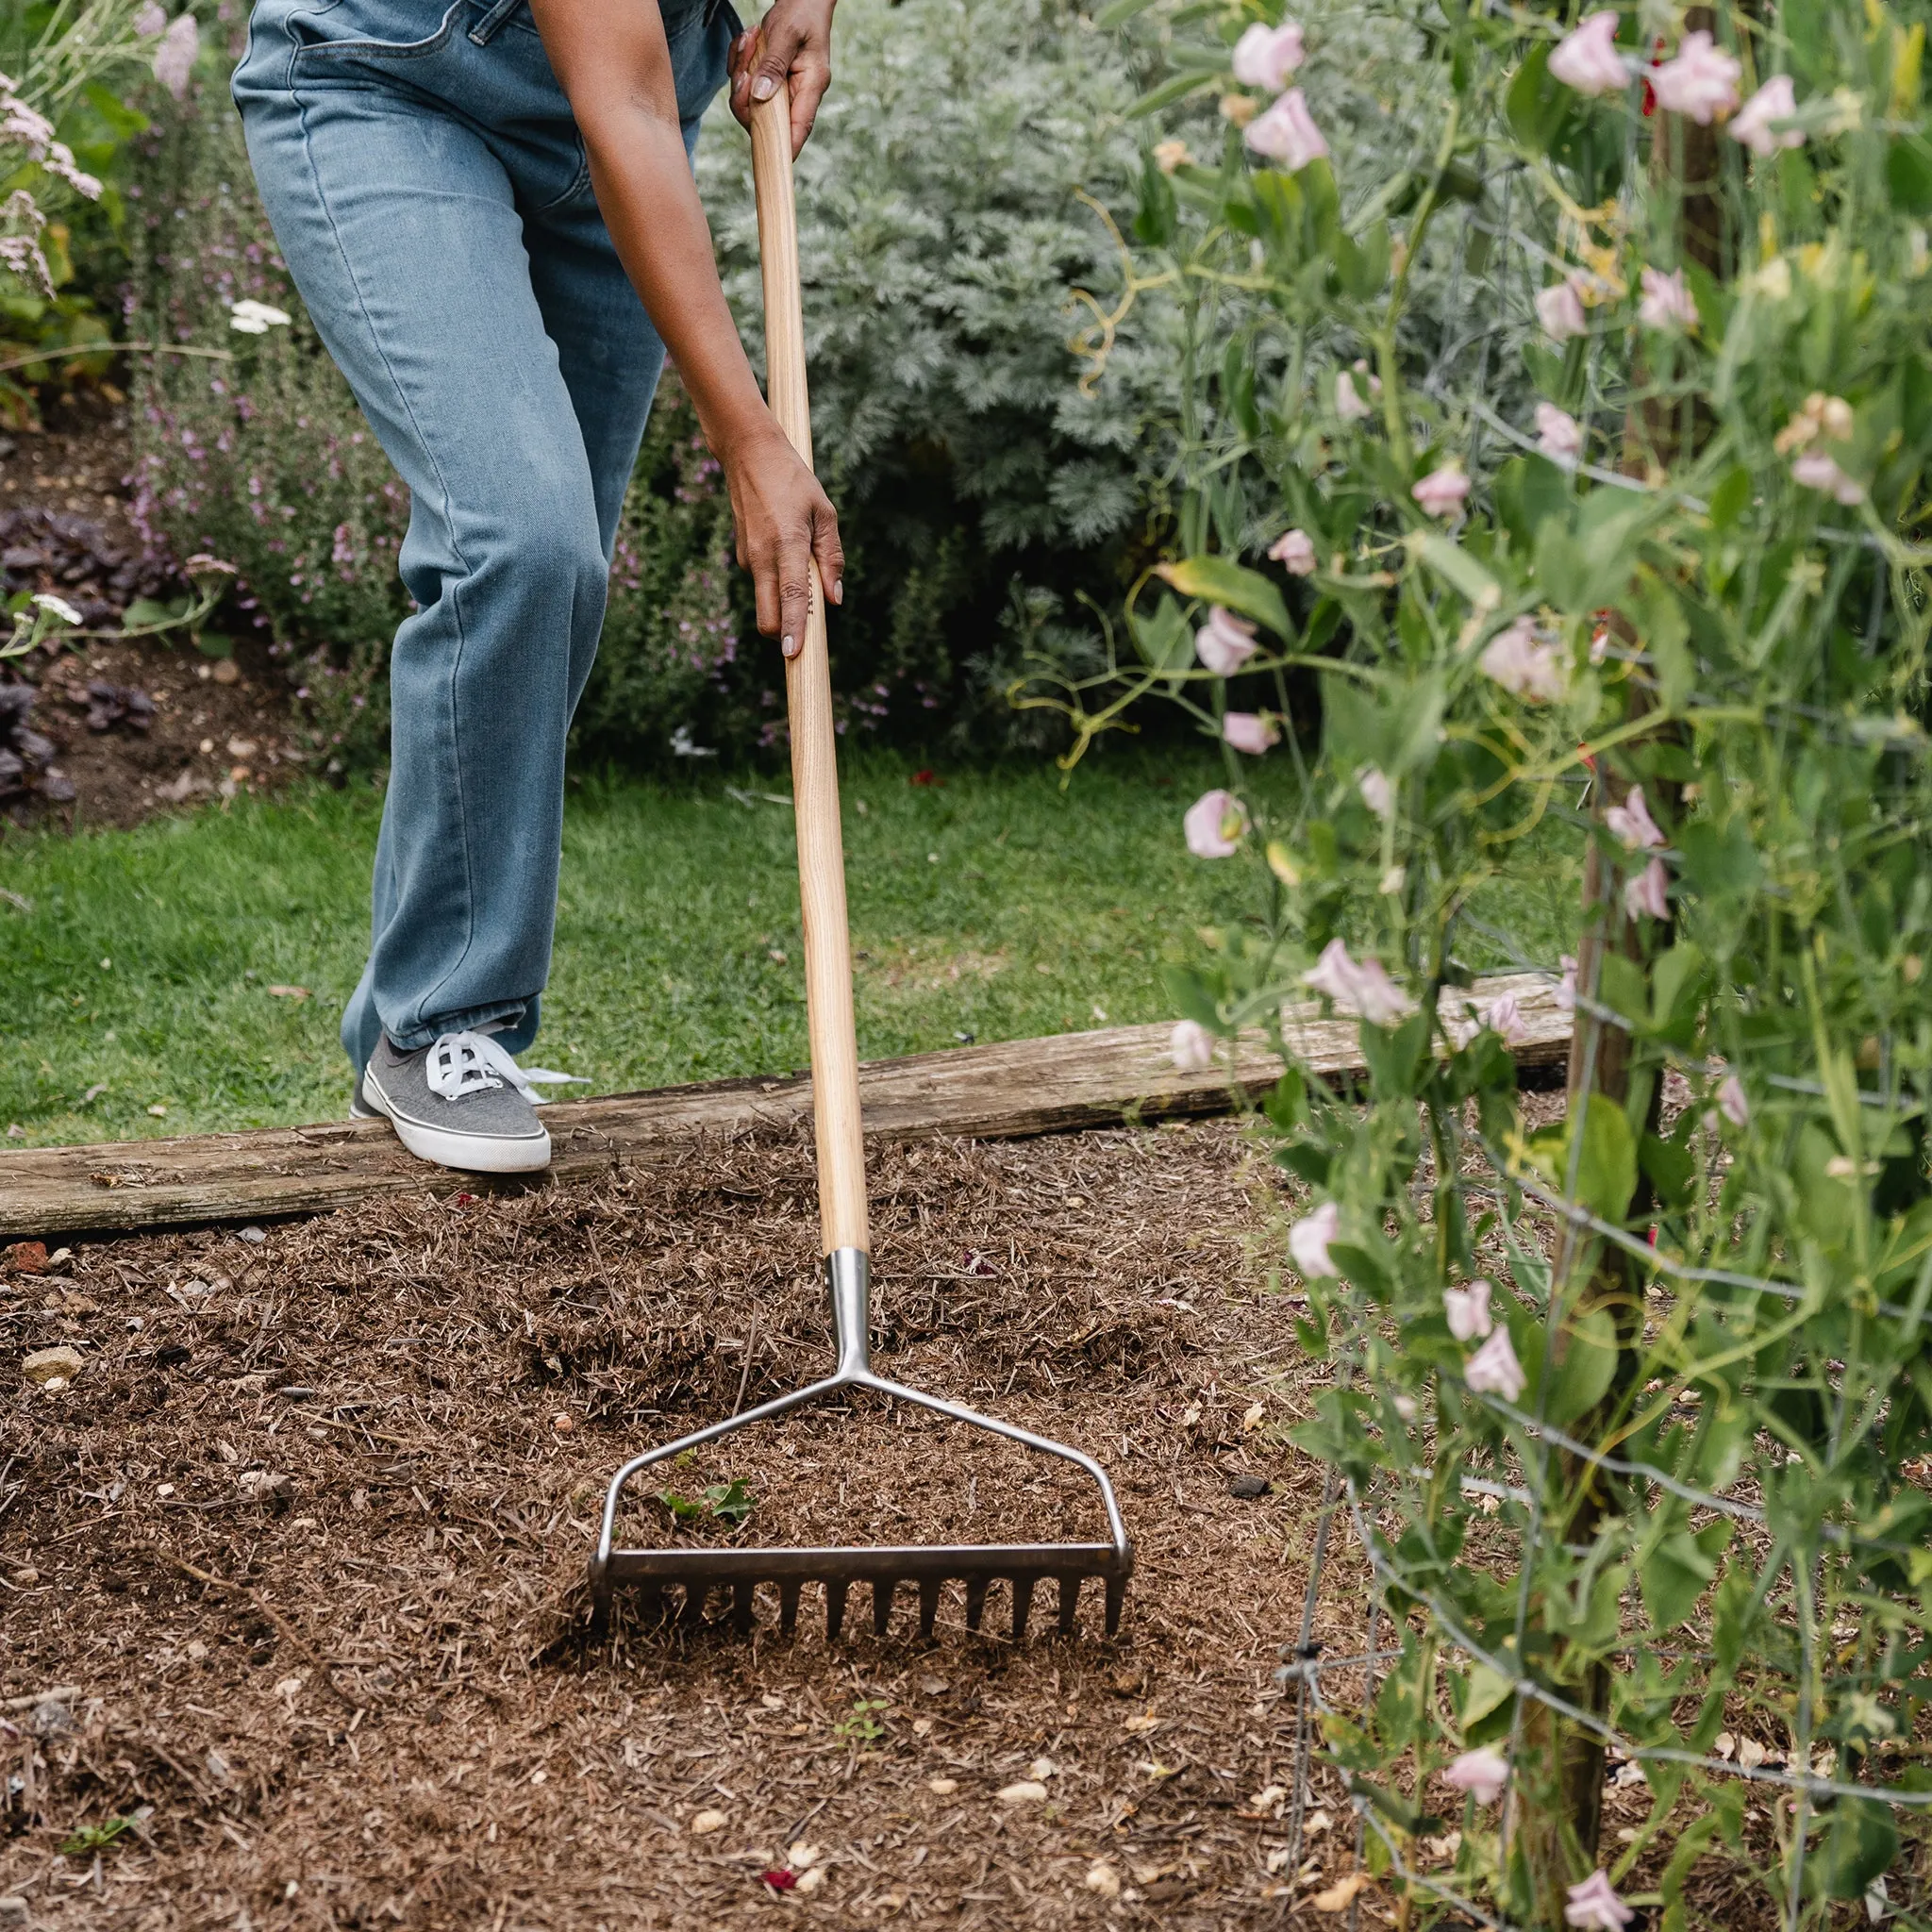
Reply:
x=488, y=206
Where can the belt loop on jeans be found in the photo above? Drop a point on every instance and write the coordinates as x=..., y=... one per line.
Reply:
x=487, y=26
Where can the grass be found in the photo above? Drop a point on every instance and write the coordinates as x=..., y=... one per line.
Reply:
x=136, y=997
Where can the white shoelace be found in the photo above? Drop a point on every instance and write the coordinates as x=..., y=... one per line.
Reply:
x=463, y=1063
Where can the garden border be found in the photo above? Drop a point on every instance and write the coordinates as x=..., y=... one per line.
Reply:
x=1003, y=1090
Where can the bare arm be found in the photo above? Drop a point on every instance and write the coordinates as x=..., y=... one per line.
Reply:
x=614, y=65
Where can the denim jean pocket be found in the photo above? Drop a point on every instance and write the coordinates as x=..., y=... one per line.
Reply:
x=375, y=31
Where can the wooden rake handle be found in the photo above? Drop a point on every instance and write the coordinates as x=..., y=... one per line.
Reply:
x=808, y=695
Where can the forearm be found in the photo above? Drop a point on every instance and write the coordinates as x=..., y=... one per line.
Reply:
x=651, y=207
x=615, y=67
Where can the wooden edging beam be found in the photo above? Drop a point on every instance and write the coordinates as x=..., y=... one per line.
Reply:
x=1006, y=1091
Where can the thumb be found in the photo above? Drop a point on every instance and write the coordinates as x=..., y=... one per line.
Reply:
x=778, y=50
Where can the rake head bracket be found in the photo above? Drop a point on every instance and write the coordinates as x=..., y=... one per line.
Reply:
x=699, y=1572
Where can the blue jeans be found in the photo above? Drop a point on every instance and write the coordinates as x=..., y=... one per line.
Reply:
x=432, y=198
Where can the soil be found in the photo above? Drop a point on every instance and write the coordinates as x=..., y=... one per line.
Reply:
x=216, y=727
x=293, y=1573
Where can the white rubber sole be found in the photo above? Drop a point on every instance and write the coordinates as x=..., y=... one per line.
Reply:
x=467, y=1153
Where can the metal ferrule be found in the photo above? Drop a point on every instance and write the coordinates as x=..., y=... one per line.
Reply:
x=848, y=1276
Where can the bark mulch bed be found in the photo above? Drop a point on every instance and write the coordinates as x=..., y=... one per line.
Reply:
x=301, y=1550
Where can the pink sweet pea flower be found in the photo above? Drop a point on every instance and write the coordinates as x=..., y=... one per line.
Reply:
x=1645, y=895
x=1493, y=1369
x=1250, y=731
x=1587, y=58
x=1214, y=825
x=1558, y=435
x=1348, y=404
x=1191, y=1047
x=1363, y=984
x=1482, y=1773
x=1566, y=987
x=1264, y=57
x=1287, y=133
x=149, y=20
x=1667, y=303
x=1701, y=82
x=1816, y=471
x=1294, y=551
x=1595, y=1906
x=1559, y=309
x=1518, y=663
x=173, y=61
x=1631, y=825
x=1468, y=1309
x=1776, y=100
x=1442, y=491
x=1731, y=1103
x=1224, y=642
x=1377, y=793
x=1308, y=1238
x=1503, y=1017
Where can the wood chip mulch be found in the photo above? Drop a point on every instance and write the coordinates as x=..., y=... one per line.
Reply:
x=291, y=1571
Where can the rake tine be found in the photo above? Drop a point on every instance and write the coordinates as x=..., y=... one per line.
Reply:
x=975, y=1601
x=1070, y=1602
x=743, y=1601
x=788, y=1608
x=928, y=1603
x=834, y=1609
x=1116, y=1595
x=695, y=1596
x=1023, y=1602
x=651, y=1606
x=882, y=1605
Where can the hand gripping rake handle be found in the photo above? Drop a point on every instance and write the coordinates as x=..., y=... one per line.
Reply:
x=844, y=1234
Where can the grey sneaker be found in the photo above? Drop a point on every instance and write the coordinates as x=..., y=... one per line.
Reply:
x=461, y=1103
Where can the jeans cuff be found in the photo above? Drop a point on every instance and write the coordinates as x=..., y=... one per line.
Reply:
x=492, y=1018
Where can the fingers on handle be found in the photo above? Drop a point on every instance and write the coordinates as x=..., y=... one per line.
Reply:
x=808, y=84
x=794, y=595
x=827, y=552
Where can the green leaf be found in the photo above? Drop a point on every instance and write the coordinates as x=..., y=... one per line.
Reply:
x=1119, y=14
x=730, y=1502
x=1164, y=640
x=1908, y=174
x=1665, y=633
x=1155, y=218
x=1606, y=1169
x=1233, y=585
x=1672, y=1167
x=1536, y=104
x=1731, y=498
x=1193, y=997
x=1859, y=1842
x=1167, y=93
x=1590, y=1362
x=214, y=643
x=1490, y=1691
x=1461, y=571
x=1721, y=861
x=1679, y=1572
x=146, y=611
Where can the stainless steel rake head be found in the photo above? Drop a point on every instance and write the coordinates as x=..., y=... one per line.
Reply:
x=698, y=1572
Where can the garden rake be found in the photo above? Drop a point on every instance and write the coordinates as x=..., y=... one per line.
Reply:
x=697, y=1572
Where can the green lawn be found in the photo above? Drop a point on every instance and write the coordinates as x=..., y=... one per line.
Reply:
x=993, y=904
